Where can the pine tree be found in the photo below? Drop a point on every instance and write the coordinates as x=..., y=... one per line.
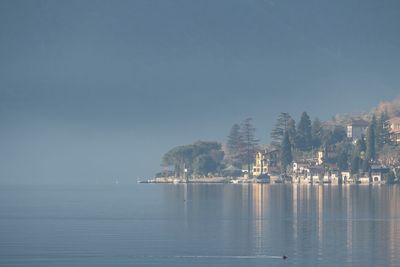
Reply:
x=234, y=146
x=304, y=137
x=250, y=143
x=371, y=139
x=281, y=125
x=317, y=133
x=291, y=129
x=286, y=152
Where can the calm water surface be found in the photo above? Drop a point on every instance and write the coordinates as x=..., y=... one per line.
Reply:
x=199, y=225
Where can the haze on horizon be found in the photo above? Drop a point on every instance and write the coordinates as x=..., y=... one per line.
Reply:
x=91, y=91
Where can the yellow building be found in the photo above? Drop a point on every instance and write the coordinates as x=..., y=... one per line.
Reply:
x=260, y=166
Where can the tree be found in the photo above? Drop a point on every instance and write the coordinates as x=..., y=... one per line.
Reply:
x=250, y=142
x=304, y=137
x=200, y=158
x=234, y=147
x=286, y=152
x=343, y=160
x=180, y=157
x=204, y=164
x=355, y=164
x=382, y=135
x=291, y=129
x=371, y=139
x=281, y=126
x=338, y=135
x=361, y=146
x=358, y=156
x=317, y=133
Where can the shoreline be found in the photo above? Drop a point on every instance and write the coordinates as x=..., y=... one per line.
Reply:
x=242, y=180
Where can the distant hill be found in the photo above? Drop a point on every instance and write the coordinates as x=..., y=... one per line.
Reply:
x=391, y=107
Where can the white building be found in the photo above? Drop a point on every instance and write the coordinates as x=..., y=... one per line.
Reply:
x=376, y=177
x=356, y=128
x=394, y=129
x=346, y=177
x=364, y=179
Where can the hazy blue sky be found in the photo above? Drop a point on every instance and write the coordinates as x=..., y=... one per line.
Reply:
x=93, y=90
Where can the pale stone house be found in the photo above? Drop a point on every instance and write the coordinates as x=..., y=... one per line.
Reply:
x=394, y=129
x=346, y=177
x=364, y=178
x=356, y=128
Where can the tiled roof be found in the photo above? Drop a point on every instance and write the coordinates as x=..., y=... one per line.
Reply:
x=359, y=122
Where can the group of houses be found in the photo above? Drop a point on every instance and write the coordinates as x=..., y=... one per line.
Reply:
x=306, y=173
x=316, y=171
x=357, y=127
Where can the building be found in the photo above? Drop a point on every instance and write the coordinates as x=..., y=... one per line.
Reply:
x=364, y=178
x=345, y=177
x=316, y=174
x=320, y=157
x=379, y=174
x=260, y=166
x=335, y=177
x=394, y=130
x=376, y=177
x=356, y=128
x=300, y=167
x=266, y=161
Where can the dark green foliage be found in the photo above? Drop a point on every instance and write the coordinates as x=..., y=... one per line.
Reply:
x=282, y=124
x=317, y=133
x=199, y=158
x=371, y=139
x=303, y=133
x=361, y=146
x=333, y=136
x=250, y=142
x=338, y=135
x=343, y=160
x=179, y=157
x=355, y=164
x=204, y=164
x=234, y=147
x=291, y=129
x=286, y=152
x=366, y=165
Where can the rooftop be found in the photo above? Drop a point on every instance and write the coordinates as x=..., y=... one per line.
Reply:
x=359, y=122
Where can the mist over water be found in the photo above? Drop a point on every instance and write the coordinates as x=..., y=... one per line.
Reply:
x=199, y=225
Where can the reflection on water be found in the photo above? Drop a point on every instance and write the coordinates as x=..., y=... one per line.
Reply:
x=200, y=225
x=323, y=225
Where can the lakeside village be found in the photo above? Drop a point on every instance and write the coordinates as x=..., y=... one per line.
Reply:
x=363, y=149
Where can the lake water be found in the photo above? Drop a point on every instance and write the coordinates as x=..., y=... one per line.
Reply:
x=199, y=225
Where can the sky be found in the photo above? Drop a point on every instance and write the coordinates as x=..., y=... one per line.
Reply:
x=93, y=91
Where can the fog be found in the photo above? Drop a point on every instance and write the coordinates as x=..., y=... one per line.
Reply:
x=94, y=91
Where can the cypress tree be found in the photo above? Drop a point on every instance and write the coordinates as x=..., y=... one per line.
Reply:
x=304, y=137
x=317, y=133
x=286, y=152
x=371, y=139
